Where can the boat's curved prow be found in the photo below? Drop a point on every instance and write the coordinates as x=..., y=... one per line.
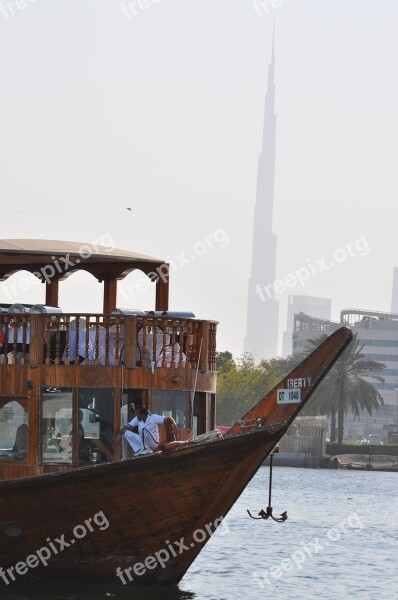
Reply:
x=283, y=403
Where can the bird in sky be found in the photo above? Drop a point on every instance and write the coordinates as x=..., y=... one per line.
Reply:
x=128, y=208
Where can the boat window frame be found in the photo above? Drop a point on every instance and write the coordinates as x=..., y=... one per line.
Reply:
x=44, y=388
x=172, y=411
x=24, y=402
x=75, y=437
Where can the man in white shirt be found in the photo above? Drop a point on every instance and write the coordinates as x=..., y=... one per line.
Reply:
x=147, y=438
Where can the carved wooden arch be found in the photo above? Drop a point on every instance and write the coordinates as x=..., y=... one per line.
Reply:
x=22, y=401
x=48, y=270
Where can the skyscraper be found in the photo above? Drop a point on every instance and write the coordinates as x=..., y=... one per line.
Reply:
x=262, y=308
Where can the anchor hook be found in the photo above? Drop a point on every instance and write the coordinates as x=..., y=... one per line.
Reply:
x=266, y=514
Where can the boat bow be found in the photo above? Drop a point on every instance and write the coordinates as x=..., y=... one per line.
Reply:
x=284, y=402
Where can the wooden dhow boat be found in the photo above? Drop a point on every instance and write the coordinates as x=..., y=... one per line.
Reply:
x=73, y=501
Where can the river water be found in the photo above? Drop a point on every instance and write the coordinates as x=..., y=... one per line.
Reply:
x=340, y=542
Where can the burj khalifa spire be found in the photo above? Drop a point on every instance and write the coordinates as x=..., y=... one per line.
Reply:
x=262, y=309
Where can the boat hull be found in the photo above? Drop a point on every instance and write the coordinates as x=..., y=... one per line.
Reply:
x=147, y=518
x=164, y=506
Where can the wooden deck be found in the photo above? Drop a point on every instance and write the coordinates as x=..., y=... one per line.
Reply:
x=98, y=339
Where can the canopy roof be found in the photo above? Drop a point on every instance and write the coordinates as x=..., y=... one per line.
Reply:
x=33, y=248
x=52, y=261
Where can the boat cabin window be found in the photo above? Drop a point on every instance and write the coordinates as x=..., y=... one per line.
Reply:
x=56, y=425
x=172, y=404
x=14, y=418
x=199, y=413
x=211, y=411
x=96, y=424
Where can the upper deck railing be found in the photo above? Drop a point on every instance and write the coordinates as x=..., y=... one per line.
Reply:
x=98, y=339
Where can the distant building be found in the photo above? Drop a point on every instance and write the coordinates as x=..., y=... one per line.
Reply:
x=319, y=308
x=394, y=300
x=304, y=444
x=306, y=328
x=378, y=333
x=262, y=308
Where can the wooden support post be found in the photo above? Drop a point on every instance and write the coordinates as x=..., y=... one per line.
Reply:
x=37, y=340
x=162, y=288
x=52, y=293
x=110, y=290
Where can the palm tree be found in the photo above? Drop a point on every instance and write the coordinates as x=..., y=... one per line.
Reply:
x=345, y=387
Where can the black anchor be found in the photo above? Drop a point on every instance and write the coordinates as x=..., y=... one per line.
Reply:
x=266, y=514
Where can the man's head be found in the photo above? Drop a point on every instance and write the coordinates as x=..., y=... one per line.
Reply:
x=142, y=413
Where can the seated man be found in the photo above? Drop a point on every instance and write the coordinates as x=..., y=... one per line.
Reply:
x=147, y=438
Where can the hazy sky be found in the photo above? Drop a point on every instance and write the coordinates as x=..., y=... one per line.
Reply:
x=160, y=109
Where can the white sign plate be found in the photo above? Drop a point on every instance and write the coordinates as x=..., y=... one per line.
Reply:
x=289, y=396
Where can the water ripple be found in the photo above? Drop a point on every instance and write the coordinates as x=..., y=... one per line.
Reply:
x=339, y=542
